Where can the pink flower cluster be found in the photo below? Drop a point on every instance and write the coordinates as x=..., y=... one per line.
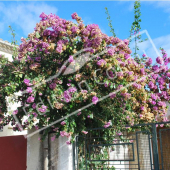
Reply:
x=107, y=124
x=101, y=62
x=95, y=100
x=43, y=109
x=63, y=133
x=30, y=99
x=68, y=94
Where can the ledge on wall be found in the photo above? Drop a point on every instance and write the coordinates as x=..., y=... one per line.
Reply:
x=6, y=46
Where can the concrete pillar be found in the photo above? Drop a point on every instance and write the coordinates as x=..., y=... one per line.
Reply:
x=34, y=152
x=61, y=154
x=47, y=154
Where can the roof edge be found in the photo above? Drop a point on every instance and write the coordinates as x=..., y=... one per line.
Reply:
x=6, y=47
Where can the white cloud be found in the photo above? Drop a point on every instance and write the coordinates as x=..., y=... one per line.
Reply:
x=165, y=5
x=24, y=15
x=146, y=46
x=164, y=42
x=129, y=5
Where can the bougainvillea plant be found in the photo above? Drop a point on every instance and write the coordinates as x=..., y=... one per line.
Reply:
x=54, y=81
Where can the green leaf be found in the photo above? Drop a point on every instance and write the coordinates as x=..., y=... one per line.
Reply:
x=20, y=75
x=111, y=86
x=37, y=35
x=91, y=116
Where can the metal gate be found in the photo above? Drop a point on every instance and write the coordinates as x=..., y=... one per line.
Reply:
x=140, y=150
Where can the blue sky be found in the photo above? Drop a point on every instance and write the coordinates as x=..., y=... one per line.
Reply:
x=22, y=16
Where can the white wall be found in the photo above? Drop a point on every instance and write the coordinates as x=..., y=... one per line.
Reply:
x=61, y=154
x=39, y=152
x=34, y=152
x=9, y=56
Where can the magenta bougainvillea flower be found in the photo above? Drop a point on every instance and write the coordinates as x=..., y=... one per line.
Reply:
x=95, y=100
x=107, y=124
x=159, y=60
x=101, y=62
x=30, y=99
x=27, y=82
x=85, y=132
x=15, y=112
x=63, y=123
x=29, y=90
x=43, y=109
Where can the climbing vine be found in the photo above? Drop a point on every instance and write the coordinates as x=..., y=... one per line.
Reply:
x=135, y=28
x=110, y=22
